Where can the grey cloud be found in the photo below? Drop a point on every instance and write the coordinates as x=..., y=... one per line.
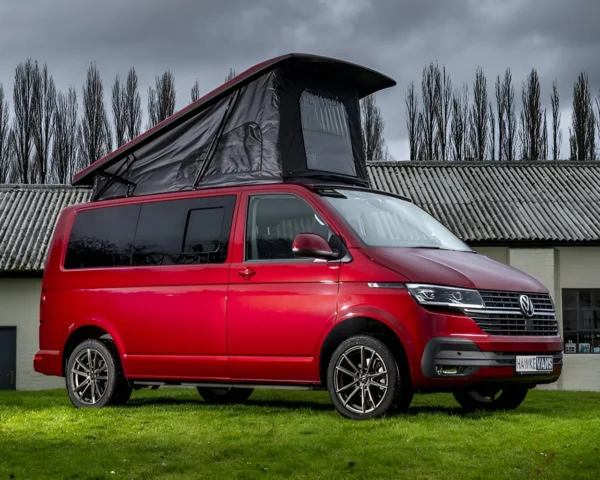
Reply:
x=205, y=38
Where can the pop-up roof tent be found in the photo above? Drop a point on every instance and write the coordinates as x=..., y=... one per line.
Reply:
x=292, y=118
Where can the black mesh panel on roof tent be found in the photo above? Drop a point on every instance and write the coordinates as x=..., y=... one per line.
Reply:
x=246, y=149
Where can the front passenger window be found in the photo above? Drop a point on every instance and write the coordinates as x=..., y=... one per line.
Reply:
x=274, y=221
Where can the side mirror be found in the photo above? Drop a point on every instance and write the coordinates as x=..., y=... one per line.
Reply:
x=313, y=246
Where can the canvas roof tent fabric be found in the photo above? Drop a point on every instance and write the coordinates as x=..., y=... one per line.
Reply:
x=292, y=118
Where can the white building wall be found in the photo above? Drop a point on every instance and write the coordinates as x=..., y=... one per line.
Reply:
x=19, y=307
x=499, y=254
x=537, y=262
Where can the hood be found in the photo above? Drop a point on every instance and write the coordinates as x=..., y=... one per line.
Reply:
x=453, y=268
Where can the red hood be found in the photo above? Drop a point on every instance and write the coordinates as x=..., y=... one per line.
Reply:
x=452, y=268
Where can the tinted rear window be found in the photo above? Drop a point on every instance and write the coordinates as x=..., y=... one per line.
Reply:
x=102, y=237
x=187, y=231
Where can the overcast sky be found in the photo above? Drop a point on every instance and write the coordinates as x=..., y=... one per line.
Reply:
x=204, y=38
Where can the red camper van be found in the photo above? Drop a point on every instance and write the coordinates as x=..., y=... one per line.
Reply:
x=237, y=245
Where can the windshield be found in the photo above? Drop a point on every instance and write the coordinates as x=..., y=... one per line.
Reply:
x=385, y=221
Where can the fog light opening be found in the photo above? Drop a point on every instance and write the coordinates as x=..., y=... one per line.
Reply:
x=449, y=371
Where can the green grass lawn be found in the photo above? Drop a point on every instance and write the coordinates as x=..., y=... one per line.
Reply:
x=172, y=433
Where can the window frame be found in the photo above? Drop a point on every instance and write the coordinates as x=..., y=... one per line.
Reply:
x=247, y=222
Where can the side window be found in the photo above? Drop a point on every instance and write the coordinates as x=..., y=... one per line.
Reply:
x=326, y=132
x=190, y=231
x=102, y=237
x=274, y=221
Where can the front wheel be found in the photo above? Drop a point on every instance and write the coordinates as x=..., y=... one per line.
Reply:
x=508, y=398
x=365, y=381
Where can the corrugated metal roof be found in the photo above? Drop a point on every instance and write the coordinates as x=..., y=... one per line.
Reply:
x=555, y=202
x=28, y=214
x=502, y=202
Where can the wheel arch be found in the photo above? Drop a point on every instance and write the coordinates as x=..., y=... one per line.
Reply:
x=81, y=334
x=365, y=325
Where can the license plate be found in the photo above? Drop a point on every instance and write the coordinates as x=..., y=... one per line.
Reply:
x=534, y=364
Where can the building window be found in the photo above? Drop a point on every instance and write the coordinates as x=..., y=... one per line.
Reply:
x=581, y=320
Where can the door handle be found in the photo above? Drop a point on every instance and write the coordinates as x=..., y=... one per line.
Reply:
x=12, y=377
x=246, y=273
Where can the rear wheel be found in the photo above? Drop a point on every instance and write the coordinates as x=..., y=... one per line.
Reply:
x=365, y=381
x=508, y=398
x=93, y=376
x=225, y=395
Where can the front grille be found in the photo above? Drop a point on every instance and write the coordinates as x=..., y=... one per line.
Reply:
x=502, y=315
x=495, y=300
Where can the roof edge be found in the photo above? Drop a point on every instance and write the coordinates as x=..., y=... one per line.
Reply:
x=485, y=163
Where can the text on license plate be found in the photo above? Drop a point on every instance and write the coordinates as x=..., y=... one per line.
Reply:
x=533, y=364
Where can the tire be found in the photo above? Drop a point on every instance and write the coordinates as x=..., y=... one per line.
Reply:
x=509, y=398
x=225, y=395
x=370, y=395
x=104, y=376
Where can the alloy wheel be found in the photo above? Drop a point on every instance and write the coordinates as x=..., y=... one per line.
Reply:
x=89, y=376
x=361, y=379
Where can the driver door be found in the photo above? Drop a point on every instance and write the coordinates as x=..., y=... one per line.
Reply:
x=279, y=306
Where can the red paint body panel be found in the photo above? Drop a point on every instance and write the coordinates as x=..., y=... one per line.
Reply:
x=457, y=269
x=280, y=311
x=266, y=321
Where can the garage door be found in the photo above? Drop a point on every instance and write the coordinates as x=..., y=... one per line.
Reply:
x=8, y=358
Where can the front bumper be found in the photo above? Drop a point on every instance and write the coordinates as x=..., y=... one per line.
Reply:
x=475, y=363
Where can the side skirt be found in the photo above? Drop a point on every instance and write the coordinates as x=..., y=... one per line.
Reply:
x=267, y=386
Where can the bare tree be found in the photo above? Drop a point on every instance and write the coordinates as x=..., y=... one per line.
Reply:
x=412, y=120
x=95, y=133
x=118, y=111
x=479, y=126
x=442, y=111
x=492, y=140
x=544, y=143
x=591, y=135
x=509, y=146
x=44, y=108
x=132, y=105
x=583, y=120
x=459, y=126
x=22, y=131
x=195, y=91
x=372, y=130
x=598, y=111
x=428, y=114
x=556, y=131
x=230, y=75
x=501, y=116
x=65, y=146
x=161, y=100
x=531, y=127
x=4, y=131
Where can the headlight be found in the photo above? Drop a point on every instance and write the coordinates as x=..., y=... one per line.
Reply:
x=445, y=296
